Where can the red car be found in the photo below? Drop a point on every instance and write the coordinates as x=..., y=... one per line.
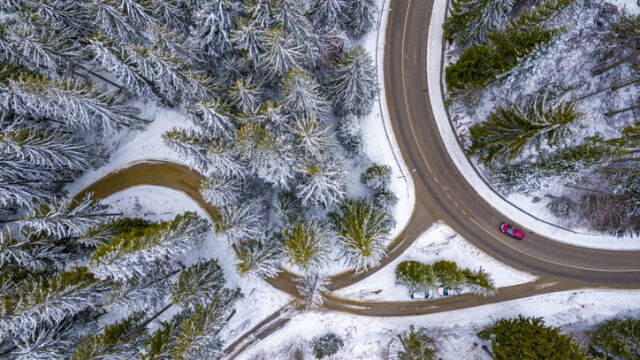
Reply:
x=508, y=229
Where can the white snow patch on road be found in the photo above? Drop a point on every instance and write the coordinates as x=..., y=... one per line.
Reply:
x=454, y=331
x=440, y=242
x=515, y=214
x=157, y=203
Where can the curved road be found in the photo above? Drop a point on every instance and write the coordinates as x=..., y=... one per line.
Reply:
x=441, y=194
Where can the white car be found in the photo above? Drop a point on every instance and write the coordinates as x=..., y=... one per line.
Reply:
x=445, y=291
x=422, y=294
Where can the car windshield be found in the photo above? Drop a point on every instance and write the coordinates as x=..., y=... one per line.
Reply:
x=510, y=230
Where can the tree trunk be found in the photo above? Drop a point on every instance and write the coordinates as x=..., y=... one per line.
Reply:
x=614, y=87
x=615, y=112
x=141, y=327
x=617, y=63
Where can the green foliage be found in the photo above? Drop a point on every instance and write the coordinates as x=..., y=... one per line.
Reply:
x=377, y=177
x=617, y=339
x=327, y=345
x=421, y=277
x=111, y=342
x=306, y=245
x=160, y=344
x=470, y=21
x=510, y=130
x=416, y=275
x=198, y=284
x=417, y=345
x=529, y=338
x=481, y=64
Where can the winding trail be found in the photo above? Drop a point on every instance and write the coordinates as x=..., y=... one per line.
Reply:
x=441, y=194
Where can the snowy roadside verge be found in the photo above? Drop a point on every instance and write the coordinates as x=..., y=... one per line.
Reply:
x=517, y=215
x=439, y=242
x=157, y=203
x=454, y=331
x=377, y=129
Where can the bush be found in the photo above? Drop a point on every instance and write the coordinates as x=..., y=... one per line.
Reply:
x=617, y=339
x=528, y=338
x=417, y=345
x=327, y=345
x=377, y=177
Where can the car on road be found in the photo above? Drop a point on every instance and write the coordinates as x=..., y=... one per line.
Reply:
x=446, y=291
x=510, y=230
x=422, y=294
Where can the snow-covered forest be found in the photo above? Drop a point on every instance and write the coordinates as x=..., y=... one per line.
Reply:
x=544, y=97
x=273, y=91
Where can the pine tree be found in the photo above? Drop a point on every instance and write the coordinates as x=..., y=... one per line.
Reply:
x=171, y=13
x=247, y=37
x=113, y=19
x=111, y=344
x=190, y=143
x=290, y=15
x=323, y=183
x=313, y=288
x=470, y=21
x=128, y=254
x=199, y=336
x=352, y=83
x=327, y=345
x=480, y=282
x=45, y=342
x=350, y=134
x=306, y=245
x=221, y=191
x=282, y=53
x=528, y=337
x=416, y=276
x=245, y=94
x=259, y=259
x=448, y=274
x=260, y=12
x=377, y=177
x=222, y=159
x=239, y=222
x=301, y=95
x=214, y=116
x=213, y=23
x=616, y=339
x=328, y=13
x=64, y=218
x=48, y=301
x=417, y=345
x=28, y=251
x=362, y=16
x=509, y=131
x=360, y=233
x=200, y=284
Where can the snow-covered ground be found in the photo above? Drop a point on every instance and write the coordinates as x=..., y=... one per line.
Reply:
x=527, y=213
x=157, y=203
x=454, y=331
x=440, y=242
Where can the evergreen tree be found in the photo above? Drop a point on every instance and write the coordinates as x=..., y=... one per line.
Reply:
x=480, y=282
x=328, y=13
x=527, y=337
x=360, y=233
x=199, y=336
x=247, y=37
x=128, y=254
x=290, y=15
x=258, y=259
x=239, y=222
x=214, y=117
x=416, y=276
x=417, y=345
x=616, y=339
x=223, y=159
x=28, y=251
x=313, y=288
x=350, y=134
x=377, y=177
x=301, y=95
x=470, y=21
x=352, y=84
x=327, y=345
x=361, y=15
x=323, y=183
x=282, y=53
x=213, y=22
x=306, y=245
x=245, y=94
x=448, y=274
x=221, y=191
x=312, y=136
x=111, y=343
x=192, y=144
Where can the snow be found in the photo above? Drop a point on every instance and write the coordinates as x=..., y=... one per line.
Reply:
x=629, y=6
x=158, y=203
x=454, y=331
x=439, y=242
x=526, y=212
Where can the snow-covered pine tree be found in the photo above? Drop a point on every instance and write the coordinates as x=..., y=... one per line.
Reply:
x=199, y=336
x=269, y=156
x=480, y=282
x=323, y=182
x=222, y=158
x=259, y=258
x=112, y=18
x=470, y=21
x=213, y=22
x=361, y=15
x=145, y=293
x=246, y=37
x=111, y=344
x=260, y=12
x=290, y=15
x=350, y=134
x=192, y=144
x=245, y=94
x=239, y=222
x=48, y=301
x=301, y=95
x=377, y=177
x=328, y=13
x=201, y=284
x=51, y=342
x=282, y=53
x=70, y=102
x=352, y=83
x=616, y=339
x=417, y=345
x=28, y=252
x=273, y=114
x=306, y=245
x=171, y=13
x=64, y=218
x=214, y=116
x=313, y=288
x=221, y=191
x=312, y=136
x=360, y=233
x=128, y=254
